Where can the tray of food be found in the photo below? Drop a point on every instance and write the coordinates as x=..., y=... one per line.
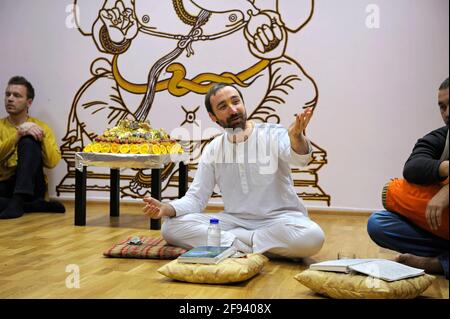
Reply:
x=131, y=144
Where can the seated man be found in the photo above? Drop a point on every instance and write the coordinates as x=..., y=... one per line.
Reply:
x=250, y=163
x=26, y=146
x=423, y=245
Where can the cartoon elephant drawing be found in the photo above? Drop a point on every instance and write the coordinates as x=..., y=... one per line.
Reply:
x=158, y=58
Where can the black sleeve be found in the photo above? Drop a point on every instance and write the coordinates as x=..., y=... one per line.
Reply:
x=422, y=166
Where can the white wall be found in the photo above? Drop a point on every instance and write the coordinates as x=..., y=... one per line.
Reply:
x=377, y=87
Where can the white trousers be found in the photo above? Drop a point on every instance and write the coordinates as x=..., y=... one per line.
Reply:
x=290, y=235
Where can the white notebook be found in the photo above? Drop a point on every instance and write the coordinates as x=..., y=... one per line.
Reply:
x=387, y=270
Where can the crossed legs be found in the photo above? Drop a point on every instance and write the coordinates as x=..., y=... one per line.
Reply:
x=418, y=247
x=289, y=235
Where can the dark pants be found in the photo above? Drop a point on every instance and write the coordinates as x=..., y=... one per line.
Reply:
x=395, y=232
x=29, y=177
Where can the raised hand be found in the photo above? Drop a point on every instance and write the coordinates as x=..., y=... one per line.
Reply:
x=301, y=122
x=120, y=22
x=266, y=34
x=295, y=131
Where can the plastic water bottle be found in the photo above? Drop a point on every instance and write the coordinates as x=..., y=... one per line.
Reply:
x=213, y=238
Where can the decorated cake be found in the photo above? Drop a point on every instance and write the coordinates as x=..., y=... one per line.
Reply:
x=134, y=137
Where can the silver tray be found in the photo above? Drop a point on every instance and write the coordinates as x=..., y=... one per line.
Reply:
x=127, y=160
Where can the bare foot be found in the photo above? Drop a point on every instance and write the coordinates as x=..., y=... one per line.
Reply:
x=429, y=264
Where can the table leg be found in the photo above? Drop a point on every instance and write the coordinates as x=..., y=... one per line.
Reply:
x=114, y=193
x=182, y=179
x=80, y=197
x=156, y=194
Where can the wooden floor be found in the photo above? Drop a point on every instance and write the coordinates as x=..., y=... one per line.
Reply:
x=36, y=249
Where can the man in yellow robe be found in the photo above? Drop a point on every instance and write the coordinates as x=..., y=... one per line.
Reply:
x=27, y=145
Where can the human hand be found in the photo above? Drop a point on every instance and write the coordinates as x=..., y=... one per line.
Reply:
x=436, y=207
x=266, y=34
x=301, y=122
x=155, y=209
x=443, y=169
x=32, y=129
x=120, y=22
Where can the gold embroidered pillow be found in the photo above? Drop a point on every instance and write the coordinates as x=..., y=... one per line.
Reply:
x=228, y=271
x=353, y=286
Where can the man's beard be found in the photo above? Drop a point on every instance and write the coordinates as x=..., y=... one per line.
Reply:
x=231, y=124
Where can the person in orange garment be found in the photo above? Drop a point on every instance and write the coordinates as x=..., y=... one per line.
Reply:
x=27, y=145
x=417, y=226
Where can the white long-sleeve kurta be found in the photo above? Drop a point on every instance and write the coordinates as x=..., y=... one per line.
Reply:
x=254, y=177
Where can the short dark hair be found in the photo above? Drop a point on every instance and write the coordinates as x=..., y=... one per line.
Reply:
x=213, y=90
x=20, y=80
x=444, y=85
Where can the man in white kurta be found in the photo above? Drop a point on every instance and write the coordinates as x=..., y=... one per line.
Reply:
x=251, y=165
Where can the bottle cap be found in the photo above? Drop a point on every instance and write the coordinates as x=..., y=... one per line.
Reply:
x=213, y=221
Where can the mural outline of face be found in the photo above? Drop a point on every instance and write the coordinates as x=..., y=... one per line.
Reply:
x=228, y=109
x=16, y=99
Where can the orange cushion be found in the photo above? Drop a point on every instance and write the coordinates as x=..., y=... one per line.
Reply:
x=411, y=200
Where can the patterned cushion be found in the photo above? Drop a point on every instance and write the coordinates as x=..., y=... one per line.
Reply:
x=151, y=247
x=228, y=271
x=354, y=286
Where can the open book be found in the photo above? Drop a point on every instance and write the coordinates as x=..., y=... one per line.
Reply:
x=206, y=255
x=387, y=270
